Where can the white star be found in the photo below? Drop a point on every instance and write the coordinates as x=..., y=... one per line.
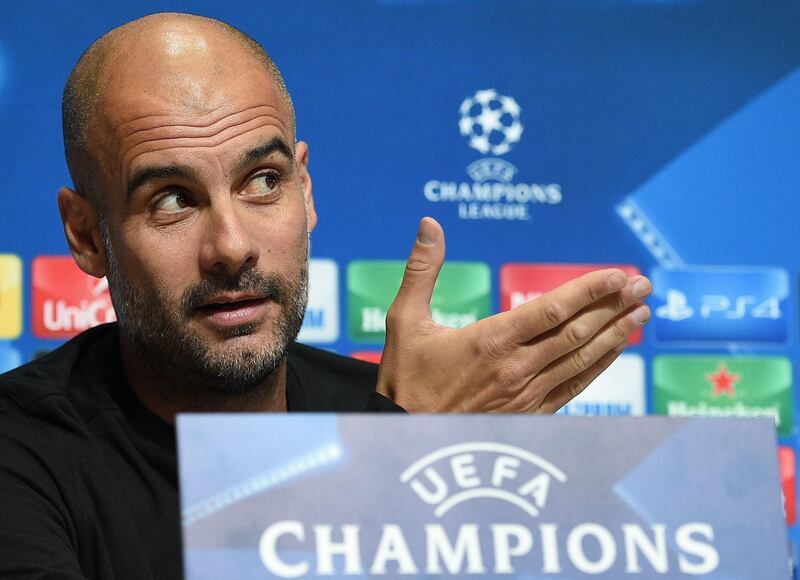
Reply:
x=481, y=143
x=489, y=119
x=510, y=105
x=465, y=125
x=466, y=105
x=503, y=147
x=514, y=132
x=483, y=97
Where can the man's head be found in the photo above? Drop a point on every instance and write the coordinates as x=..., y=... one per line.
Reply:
x=190, y=195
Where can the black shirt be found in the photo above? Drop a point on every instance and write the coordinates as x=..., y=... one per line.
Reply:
x=88, y=475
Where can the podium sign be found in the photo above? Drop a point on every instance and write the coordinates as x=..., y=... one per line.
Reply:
x=371, y=496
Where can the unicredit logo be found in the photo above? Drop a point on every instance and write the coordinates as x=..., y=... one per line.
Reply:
x=67, y=301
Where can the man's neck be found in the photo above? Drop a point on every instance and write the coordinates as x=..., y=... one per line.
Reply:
x=164, y=398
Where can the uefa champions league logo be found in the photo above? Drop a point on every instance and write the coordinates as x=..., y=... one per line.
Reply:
x=490, y=121
x=479, y=470
x=484, y=543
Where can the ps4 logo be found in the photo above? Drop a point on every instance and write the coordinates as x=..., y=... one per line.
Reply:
x=677, y=307
x=721, y=306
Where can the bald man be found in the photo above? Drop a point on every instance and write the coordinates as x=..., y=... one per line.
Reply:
x=192, y=195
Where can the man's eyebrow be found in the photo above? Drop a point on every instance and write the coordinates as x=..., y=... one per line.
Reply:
x=275, y=145
x=145, y=174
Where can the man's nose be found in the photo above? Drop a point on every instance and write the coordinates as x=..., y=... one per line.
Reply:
x=228, y=241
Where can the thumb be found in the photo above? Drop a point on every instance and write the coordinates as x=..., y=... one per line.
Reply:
x=413, y=301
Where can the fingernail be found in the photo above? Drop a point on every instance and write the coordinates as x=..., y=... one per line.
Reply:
x=426, y=233
x=620, y=347
x=641, y=289
x=616, y=281
x=640, y=315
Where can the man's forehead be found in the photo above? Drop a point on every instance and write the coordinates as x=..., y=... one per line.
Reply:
x=184, y=85
x=185, y=72
x=225, y=133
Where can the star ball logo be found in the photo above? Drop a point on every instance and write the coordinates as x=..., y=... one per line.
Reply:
x=491, y=123
x=447, y=479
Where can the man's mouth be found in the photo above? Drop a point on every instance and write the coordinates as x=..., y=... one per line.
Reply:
x=232, y=310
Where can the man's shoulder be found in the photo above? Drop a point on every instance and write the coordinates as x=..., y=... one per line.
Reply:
x=40, y=419
x=334, y=364
x=47, y=378
x=332, y=382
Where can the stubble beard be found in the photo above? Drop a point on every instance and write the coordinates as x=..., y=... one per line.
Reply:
x=180, y=359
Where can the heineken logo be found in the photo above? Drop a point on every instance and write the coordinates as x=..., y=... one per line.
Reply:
x=736, y=386
x=723, y=381
x=462, y=296
x=482, y=470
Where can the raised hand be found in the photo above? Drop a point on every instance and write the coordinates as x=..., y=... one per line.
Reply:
x=534, y=358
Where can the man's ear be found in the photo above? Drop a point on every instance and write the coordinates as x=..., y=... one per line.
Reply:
x=82, y=228
x=301, y=151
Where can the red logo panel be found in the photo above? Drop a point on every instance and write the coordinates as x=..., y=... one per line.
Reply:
x=67, y=301
x=788, y=467
x=368, y=355
x=521, y=283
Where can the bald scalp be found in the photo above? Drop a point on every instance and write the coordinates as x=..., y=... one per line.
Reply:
x=84, y=90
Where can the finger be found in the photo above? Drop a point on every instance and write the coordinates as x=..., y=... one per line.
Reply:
x=567, y=391
x=587, y=323
x=576, y=362
x=557, y=306
x=413, y=300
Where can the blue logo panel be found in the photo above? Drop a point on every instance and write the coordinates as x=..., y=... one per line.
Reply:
x=10, y=357
x=720, y=305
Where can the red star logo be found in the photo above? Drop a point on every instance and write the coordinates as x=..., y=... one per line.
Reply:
x=722, y=381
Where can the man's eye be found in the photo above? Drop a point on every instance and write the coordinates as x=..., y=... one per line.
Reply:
x=263, y=184
x=172, y=202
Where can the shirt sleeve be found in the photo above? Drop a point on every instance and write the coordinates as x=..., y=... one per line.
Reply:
x=377, y=403
x=36, y=536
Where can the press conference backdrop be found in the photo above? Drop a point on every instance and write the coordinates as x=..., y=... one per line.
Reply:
x=548, y=137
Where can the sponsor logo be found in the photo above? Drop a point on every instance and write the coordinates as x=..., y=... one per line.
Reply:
x=321, y=323
x=368, y=355
x=447, y=479
x=521, y=283
x=686, y=386
x=491, y=124
x=787, y=461
x=10, y=296
x=462, y=296
x=67, y=301
x=618, y=391
x=10, y=358
x=720, y=305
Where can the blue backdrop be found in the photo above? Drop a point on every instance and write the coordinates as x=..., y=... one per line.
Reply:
x=655, y=133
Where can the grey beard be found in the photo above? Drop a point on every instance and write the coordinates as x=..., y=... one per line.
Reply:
x=177, y=358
